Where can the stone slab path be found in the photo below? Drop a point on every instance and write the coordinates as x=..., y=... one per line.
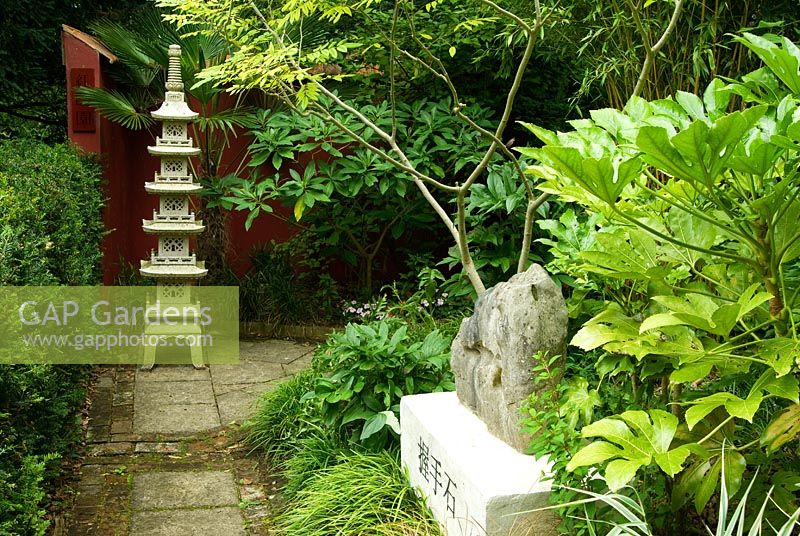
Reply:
x=164, y=456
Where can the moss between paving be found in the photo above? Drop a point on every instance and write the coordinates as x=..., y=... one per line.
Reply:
x=163, y=453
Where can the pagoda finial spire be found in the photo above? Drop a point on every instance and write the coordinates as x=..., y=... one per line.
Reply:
x=174, y=79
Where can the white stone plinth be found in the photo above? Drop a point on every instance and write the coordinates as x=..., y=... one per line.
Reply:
x=474, y=483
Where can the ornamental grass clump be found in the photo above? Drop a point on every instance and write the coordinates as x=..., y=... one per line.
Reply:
x=365, y=493
x=282, y=417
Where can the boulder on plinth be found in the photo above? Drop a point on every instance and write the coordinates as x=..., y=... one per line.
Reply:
x=497, y=348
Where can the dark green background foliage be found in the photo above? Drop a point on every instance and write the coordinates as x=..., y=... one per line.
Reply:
x=50, y=220
x=38, y=424
x=50, y=231
x=32, y=80
x=288, y=284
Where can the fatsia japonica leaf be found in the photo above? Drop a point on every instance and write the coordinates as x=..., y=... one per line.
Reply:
x=579, y=401
x=744, y=408
x=631, y=440
x=605, y=177
x=699, y=152
x=735, y=406
x=703, y=312
x=783, y=62
x=701, y=479
x=692, y=104
x=610, y=325
x=658, y=151
x=785, y=427
x=716, y=98
x=780, y=354
x=624, y=254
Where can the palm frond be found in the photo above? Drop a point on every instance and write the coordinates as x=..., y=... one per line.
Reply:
x=224, y=120
x=115, y=106
x=309, y=33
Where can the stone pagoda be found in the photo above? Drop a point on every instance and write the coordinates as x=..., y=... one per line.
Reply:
x=173, y=265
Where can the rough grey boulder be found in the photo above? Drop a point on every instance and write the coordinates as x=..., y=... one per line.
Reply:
x=494, y=353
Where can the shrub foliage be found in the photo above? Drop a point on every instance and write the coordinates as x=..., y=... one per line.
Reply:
x=50, y=231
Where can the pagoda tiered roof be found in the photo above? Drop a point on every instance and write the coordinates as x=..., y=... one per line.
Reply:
x=190, y=269
x=173, y=222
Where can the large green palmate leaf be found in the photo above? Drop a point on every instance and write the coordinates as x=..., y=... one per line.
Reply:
x=610, y=325
x=631, y=440
x=619, y=334
x=700, y=152
x=624, y=254
x=578, y=401
x=744, y=408
x=785, y=427
x=784, y=62
x=703, y=312
x=781, y=354
x=605, y=177
x=701, y=479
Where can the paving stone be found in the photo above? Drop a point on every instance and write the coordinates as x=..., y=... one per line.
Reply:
x=123, y=398
x=121, y=438
x=142, y=425
x=158, y=448
x=122, y=413
x=154, y=491
x=105, y=382
x=253, y=388
x=216, y=521
x=89, y=496
x=172, y=392
x=175, y=418
x=125, y=373
x=97, y=434
x=171, y=373
x=113, y=461
x=110, y=449
x=246, y=372
x=121, y=427
x=91, y=473
x=100, y=410
x=83, y=529
x=301, y=363
x=273, y=351
x=236, y=401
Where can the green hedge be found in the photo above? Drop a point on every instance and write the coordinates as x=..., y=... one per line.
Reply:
x=50, y=215
x=50, y=232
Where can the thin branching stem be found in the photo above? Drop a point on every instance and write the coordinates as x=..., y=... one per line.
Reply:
x=651, y=51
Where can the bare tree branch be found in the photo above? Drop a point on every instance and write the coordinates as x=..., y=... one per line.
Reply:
x=650, y=52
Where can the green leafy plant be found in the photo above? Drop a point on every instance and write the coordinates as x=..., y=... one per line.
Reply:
x=695, y=256
x=356, y=204
x=630, y=516
x=367, y=369
x=316, y=449
x=39, y=424
x=21, y=498
x=269, y=58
